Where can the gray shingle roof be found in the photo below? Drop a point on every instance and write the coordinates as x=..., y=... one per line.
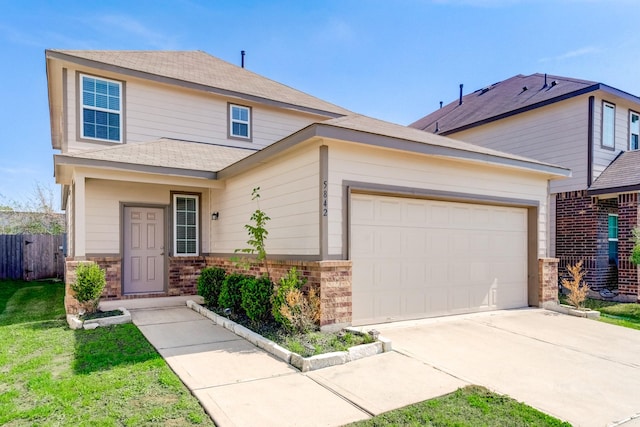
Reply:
x=200, y=68
x=502, y=99
x=623, y=174
x=168, y=153
x=374, y=126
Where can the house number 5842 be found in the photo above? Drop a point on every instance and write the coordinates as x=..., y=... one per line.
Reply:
x=325, y=197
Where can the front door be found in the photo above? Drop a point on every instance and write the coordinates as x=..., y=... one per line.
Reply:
x=143, y=269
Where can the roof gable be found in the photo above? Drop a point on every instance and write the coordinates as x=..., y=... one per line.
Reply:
x=199, y=70
x=499, y=100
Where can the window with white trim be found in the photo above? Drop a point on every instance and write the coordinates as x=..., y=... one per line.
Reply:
x=608, y=125
x=101, y=109
x=613, y=238
x=185, y=225
x=634, y=130
x=239, y=121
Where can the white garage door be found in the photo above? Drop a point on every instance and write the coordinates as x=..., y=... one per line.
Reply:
x=416, y=258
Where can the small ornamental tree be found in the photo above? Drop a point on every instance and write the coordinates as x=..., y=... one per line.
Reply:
x=578, y=290
x=257, y=233
x=89, y=284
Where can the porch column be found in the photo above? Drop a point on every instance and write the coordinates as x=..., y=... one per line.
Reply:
x=548, y=277
x=79, y=217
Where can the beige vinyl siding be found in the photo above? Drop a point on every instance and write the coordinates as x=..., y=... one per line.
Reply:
x=103, y=200
x=155, y=110
x=602, y=157
x=556, y=134
x=289, y=195
x=386, y=167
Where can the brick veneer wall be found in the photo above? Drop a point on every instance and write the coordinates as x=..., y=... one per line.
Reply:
x=331, y=279
x=627, y=221
x=183, y=275
x=582, y=234
x=548, y=277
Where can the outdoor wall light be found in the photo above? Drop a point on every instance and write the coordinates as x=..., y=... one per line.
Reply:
x=214, y=216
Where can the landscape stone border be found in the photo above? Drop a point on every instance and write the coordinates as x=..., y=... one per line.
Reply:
x=75, y=323
x=571, y=310
x=304, y=364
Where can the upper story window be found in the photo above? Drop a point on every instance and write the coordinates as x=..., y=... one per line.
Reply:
x=608, y=125
x=239, y=121
x=101, y=109
x=185, y=225
x=634, y=130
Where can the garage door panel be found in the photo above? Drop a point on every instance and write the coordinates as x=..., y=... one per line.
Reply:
x=417, y=258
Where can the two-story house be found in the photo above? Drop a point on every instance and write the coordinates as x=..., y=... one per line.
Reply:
x=586, y=126
x=159, y=153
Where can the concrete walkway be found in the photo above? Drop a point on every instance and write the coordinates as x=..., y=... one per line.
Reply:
x=238, y=384
x=583, y=371
x=579, y=370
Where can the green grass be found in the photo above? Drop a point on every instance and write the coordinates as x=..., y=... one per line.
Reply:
x=51, y=375
x=615, y=313
x=468, y=406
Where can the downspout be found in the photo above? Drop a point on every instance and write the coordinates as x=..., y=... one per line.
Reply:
x=590, y=142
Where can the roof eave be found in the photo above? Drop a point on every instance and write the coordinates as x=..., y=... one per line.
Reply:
x=526, y=108
x=614, y=190
x=63, y=160
x=186, y=84
x=323, y=130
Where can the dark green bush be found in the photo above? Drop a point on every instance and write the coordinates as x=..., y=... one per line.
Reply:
x=89, y=284
x=210, y=284
x=256, y=298
x=231, y=292
x=287, y=283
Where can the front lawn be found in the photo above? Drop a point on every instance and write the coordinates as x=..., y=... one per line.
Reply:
x=621, y=314
x=468, y=406
x=51, y=375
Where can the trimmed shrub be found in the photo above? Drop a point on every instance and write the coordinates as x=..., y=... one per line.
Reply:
x=256, y=298
x=291, y=281
x=301, y=311
x=89, y=284
x=210, y=284
x=231, y=292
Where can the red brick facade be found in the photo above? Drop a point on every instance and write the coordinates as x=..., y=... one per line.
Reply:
x=331, y=279
x=582, y=234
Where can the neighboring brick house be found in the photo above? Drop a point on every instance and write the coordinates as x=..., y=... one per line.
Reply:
x=160, y=151
x=589, y=127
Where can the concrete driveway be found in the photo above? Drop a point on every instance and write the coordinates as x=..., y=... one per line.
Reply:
x=582, y=371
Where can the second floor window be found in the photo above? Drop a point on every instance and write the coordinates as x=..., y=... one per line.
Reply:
x=608, y=125
x=239, y=121
x=101, y=109
x=634, y=131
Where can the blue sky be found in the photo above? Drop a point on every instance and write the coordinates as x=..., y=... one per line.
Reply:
x=393, y=60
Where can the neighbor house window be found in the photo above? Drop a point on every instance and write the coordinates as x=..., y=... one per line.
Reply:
x=608, y=124
x=186, y=224
x=101, y=109
x=634, y=130
x=613, y=239
x=239, y=121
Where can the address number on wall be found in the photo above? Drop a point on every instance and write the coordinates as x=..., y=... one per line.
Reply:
x=325, y=197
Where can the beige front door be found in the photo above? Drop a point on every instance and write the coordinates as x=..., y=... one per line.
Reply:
x=143, y=269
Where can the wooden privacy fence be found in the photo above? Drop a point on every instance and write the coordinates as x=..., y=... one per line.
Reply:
x=31, y=256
